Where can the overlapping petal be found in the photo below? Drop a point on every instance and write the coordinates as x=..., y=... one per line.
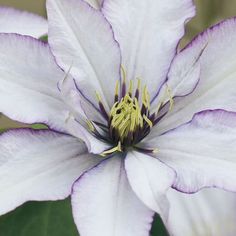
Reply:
x=39, y=165
x=80, y=105
x=202, y=152
x=208, y=212
x=104, y=204
x=95, y=3
x=183, y=77
x=148, y=33
x=22, y=22
x=94, y=144
x=150, y=179
x=216, y=88
x=28, y=82
x=82, y=39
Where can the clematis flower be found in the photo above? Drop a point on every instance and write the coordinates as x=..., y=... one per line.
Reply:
x=22, y=22
x=131, y=121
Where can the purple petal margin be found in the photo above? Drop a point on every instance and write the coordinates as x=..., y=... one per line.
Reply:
x=174, y=55
x=98, y=12
x=232, y=118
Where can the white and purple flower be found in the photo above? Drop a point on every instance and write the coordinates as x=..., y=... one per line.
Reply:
x=129, y=118
x=22, y=22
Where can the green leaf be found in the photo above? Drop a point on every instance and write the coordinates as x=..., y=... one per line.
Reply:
x=2, y=130
x=39, y=219
x=158, y=228
x=39, y=126
x=44, y=38
x=50, y=219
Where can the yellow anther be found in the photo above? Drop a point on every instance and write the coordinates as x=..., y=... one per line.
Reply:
x=148, y=99
x=90, y=125
x=124, y=127
x=112, y=112
x=159, y=106
x=124, y=122
x=133, y=121
x=116, y=121
x=117, y=88
x=171, y=100
x=139, y=83
x=98, y=96
x=126, y=116
x=112, y=150
x=165, y=99
x=147, y=150
x=155, y=150
x=148, y=121
x=130, y=87
x=138, y=116
x=123, y=73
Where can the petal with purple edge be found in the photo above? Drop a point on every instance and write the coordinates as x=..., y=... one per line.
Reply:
x=183, y=77
x=82, y=39
x=39, y=165
x=82, y=110
x=22, y=22
x=104, y=204
x=150, y=179
x=202, y=152
x=182, y=81
x=80, y=106
x=28, y=82
x=208, y=212
x=93, y=143
x=148, y=33
x=216, y=88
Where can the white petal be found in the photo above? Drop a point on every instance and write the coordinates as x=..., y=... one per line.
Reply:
x=79, y=105
x=22, y=22
x=183, y=77
x=150, y=179
x=81, y=38
x=80, y=111
x=183, y=81
x=95, y=3
x=202, y=152
x=39, y=165
x=148, y=33
x=216, y=88
x=208, y=212
x=104, y=204
x=28, y=82
x=94, y=144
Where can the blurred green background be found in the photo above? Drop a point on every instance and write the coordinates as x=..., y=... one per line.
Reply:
x=55, y=219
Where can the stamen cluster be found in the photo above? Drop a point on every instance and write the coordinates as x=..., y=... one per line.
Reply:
x=128, y=121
